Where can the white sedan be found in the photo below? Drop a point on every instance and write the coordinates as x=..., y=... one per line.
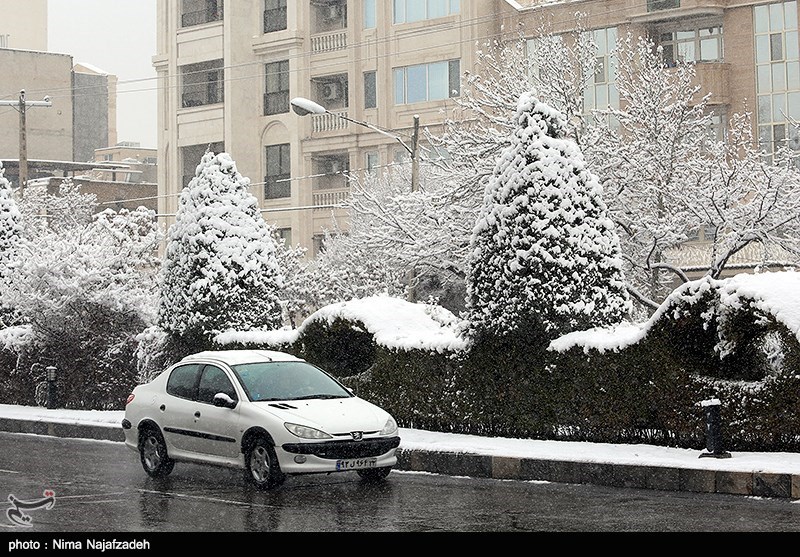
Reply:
x=268, y=413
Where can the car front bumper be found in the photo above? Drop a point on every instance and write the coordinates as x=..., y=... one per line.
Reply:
x=305, y=458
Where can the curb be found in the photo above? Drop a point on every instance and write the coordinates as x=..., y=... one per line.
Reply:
x=756, y=484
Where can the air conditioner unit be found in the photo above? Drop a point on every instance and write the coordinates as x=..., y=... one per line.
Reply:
x=331, y=91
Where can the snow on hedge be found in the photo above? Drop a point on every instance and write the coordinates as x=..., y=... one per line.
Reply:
x=775, y=293
x=393, y=322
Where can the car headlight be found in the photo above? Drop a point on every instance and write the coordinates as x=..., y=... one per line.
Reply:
x=390, y=428
x=305, y=432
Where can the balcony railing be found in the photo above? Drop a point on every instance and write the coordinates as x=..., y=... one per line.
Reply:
x=322, y=200
x=330, y=121
x=329, y=42
x=199, y=17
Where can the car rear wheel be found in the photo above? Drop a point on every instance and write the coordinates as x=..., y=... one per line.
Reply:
x=153, y=453
x=261, y=465
x=374, y=474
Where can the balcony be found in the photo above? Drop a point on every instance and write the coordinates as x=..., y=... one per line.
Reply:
x=651, y=11
x=714, y=78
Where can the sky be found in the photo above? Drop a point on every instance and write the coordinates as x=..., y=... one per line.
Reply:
x=119, y=37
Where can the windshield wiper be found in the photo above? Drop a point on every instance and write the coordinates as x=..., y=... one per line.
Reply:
x=323, y=397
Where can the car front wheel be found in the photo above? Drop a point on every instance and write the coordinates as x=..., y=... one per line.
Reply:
x=374, y=474
x=262, y=468
x=153, y=453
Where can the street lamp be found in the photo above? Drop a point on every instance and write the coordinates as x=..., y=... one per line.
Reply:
x=304, y=107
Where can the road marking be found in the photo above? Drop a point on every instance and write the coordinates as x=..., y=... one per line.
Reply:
x=204, y=498
x=9, y=471
x=90, y=495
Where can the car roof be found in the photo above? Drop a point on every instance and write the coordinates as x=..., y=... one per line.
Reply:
x=235, y=357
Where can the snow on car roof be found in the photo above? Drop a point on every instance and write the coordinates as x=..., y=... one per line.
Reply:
x=234, y=357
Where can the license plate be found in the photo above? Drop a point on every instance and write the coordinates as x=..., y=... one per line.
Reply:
x=356, y=463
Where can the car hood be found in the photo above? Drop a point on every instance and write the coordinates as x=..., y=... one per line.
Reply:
x=340, y=415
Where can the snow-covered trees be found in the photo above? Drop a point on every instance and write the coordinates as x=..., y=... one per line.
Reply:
x=219, y=270
x=84, y=286
x=545, y=255
x=741, y=199
x=648, y=153
x=10, y=223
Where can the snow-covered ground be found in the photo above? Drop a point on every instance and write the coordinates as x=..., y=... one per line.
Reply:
x=412, y=439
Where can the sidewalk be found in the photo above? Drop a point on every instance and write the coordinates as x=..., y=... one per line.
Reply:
x=638, y=466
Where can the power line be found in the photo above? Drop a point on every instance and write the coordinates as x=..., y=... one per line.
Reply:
x=70, y=92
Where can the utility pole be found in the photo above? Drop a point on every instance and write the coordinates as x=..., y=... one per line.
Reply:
x=415, y=156
x=21, y=106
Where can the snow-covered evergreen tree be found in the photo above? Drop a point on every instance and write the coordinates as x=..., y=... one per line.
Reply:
x=220, y=271
x=545, y=256
x=10, y=222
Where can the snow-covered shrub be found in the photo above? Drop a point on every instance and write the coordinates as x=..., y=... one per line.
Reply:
x=85, y=290
x=10, y=223
x=422, y=389
x=544, y=252
x=220, y=270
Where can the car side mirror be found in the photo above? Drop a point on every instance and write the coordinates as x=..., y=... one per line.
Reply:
x=222, y=400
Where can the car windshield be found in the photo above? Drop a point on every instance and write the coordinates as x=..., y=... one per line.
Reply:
x=271, y=381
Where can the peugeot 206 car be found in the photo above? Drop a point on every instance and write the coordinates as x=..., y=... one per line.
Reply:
x=269, y=413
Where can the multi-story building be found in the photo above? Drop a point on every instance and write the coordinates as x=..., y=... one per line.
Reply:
x=226, y=78
x=23, y=24
x=227, y=75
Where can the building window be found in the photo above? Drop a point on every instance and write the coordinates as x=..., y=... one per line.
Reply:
x=427, y=82
x=658, y=5
x=276, y=98
x=601, y=92
x=285, y=234
x=198, y=12
x=203, y=83
x=777, y=75
x=370, y=89
x=372, y=161
x=370, y=16
x=5, y=40
x=700, y=43
x=277, y=182
x=191, y=155
x=274, y=15
x=409, y=11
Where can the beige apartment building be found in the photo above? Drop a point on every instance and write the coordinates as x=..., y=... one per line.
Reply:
x=227, y=75
x=23, y=24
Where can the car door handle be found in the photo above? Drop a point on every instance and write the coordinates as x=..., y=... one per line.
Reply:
x=197, y=414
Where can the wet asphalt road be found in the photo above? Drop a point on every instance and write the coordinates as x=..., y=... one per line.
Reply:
x=99, y=486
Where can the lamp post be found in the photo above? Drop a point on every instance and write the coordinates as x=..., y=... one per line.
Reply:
x=52, y=392
x=304, y=107
x=21, y=106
